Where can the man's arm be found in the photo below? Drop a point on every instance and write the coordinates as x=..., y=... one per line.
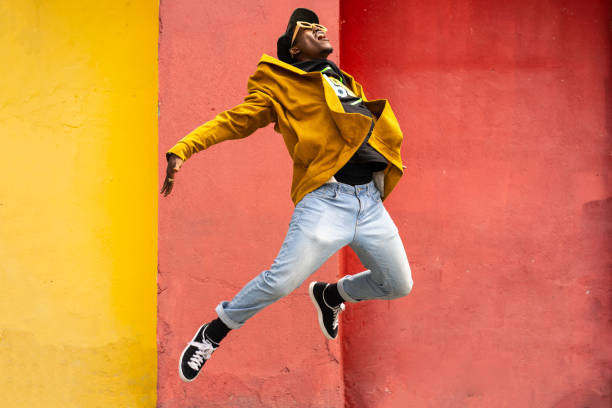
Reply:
x=255, y=112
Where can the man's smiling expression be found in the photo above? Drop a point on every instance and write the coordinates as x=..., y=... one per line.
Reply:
x=311, y=44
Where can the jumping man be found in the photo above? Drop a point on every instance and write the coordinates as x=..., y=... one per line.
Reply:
x=346, y=160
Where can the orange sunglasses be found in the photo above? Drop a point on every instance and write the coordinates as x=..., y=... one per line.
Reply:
x=306, y=26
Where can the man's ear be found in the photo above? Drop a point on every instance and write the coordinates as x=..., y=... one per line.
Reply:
x=294, y=51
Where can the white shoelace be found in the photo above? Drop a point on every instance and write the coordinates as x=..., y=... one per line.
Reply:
x=337, y=311
x=203, y=353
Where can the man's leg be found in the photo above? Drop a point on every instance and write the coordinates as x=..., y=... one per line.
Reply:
x=322, y=223
x=380, y=249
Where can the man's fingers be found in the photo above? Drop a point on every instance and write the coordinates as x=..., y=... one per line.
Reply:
x=167, y=187
x=174, y=166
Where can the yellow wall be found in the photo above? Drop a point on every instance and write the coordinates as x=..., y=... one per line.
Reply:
x=78, y=203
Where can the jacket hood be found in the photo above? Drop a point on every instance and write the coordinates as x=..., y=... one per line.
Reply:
x=267, y=59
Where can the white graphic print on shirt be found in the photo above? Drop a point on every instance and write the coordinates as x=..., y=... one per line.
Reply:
x=339, y=88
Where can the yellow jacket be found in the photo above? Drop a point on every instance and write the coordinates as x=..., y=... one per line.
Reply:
x=319, y=135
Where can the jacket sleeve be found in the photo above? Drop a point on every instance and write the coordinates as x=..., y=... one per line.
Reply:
x=255, y=112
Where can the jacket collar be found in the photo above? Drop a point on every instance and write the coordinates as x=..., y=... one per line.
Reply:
x=267, y=59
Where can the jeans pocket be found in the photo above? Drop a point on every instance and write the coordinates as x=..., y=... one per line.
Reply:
x=376, y=196
x=325, y=191
x=298, y=211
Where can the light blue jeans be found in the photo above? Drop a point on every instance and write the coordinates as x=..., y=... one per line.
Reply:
x=325, y=220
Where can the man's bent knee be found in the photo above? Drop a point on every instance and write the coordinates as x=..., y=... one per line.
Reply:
x=403, y=285
x=403, y=289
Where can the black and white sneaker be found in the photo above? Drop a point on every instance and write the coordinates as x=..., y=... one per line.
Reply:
x=195, y=355
x=328, y=315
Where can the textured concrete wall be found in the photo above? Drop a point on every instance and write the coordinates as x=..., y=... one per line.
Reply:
x=78, y=203
x=505, y=208
x=227, y=216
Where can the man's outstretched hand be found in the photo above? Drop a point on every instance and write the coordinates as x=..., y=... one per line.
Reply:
x=174, y=164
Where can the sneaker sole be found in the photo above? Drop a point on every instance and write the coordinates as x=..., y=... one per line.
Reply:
x=319, y=313
x=183, y=353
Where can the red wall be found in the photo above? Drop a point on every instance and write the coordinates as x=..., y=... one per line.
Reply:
x=504, y=210
x=505, y=207
x=227, y=217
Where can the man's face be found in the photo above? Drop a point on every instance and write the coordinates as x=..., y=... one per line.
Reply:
x=311, y=43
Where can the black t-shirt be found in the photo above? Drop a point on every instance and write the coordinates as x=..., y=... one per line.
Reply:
x=366, y=160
